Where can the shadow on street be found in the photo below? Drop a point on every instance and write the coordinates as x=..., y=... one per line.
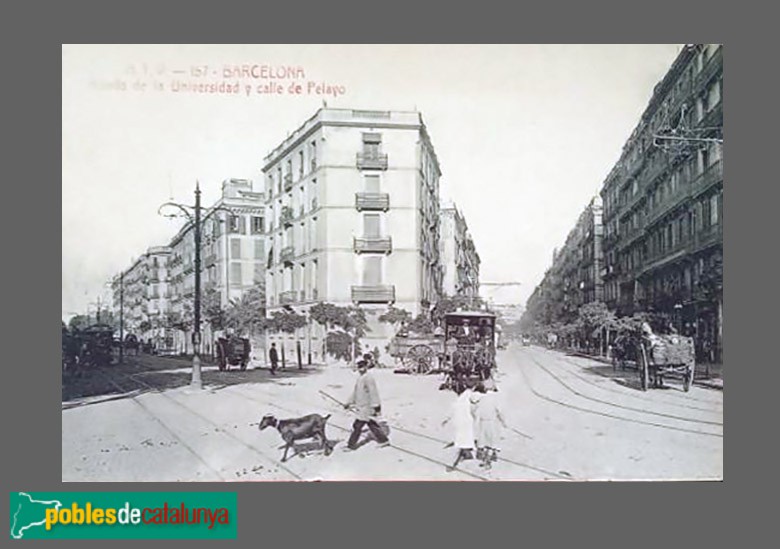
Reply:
x=145, y=373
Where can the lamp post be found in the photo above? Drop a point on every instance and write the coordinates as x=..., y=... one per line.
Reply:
x=193, y=214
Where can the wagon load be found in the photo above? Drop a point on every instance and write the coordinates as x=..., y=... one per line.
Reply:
x=661, y=355
x=232, y=351
x=671, y=349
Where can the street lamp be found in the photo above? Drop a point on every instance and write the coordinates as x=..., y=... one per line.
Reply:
x=193, y=214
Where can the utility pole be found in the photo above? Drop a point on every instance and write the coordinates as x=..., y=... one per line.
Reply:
x=196, y=378
x=194, y=215
x=121, y=317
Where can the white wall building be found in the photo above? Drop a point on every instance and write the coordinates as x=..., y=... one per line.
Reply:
x=353, y=207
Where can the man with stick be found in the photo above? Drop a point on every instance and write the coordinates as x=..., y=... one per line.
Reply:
x=367, y=406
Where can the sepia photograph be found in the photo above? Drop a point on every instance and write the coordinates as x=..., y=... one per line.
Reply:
x=369, y=262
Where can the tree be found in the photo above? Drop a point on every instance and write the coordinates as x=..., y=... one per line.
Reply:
x=286, y=321
x=593, y=318
x=422, y=324
x=211, y=305
x=247, y=314
x=451, y=304
x=78, y=322
x=349, y=321
x=395, y=315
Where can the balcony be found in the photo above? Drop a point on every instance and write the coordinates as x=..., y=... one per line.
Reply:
x=379, y=244
x=287, y=255
x=372, y=201
x=713, y=66
x=288, y=297
x=373, y=294
x=712, y=175
x=288, y=182
x=713, y=118
x=709, y=236
x=669, y=203
x=286, y=218
x=372, y=161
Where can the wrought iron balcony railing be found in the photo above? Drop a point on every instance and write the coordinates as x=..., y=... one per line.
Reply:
x=381, y=244
x=287, y=254
x=372, y=161
x=372, y=201
x=373, y=294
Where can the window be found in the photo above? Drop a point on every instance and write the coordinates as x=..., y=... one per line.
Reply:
x=372, y=183
x=235, y=248
x=300, y=164
x=236, y=224
x=257, y=224
x=372, y=270
x=235, y=274
x=259, y=273
x=372, y=143
x=371, y=225
x=714, y=209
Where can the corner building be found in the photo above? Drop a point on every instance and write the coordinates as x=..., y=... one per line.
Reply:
x=353, y=210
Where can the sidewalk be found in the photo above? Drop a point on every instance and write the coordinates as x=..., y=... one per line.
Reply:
x=705, y=375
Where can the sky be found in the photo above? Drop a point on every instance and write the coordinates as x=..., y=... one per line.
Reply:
x=525, y=136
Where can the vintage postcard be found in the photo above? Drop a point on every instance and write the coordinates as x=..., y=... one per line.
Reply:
x=392, y=262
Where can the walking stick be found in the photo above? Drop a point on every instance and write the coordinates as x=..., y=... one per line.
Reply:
x=520, y=433
x=332, y=398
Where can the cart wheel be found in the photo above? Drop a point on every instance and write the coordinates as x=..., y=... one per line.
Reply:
x=421, y=358
x=644, y=368
x=688, y=379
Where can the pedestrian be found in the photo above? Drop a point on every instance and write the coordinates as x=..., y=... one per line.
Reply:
x=462, y=418
x=368, y=407
x=487, y=417
x=274, y=357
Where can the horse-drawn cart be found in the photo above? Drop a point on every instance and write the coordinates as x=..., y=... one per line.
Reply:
x=661, y=355
x=232, y=351
x=465, y=349
x=417, y=353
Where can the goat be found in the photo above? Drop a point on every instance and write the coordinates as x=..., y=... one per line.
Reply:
x=310, y=426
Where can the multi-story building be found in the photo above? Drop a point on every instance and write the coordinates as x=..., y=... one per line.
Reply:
x=459, y=258
x=353, y=205
x=574, y=277
x=663, y=203
x=159, y=288
x=142, y=294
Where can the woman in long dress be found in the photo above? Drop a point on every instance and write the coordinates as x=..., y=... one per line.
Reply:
x=487, y=417
x=462, y=419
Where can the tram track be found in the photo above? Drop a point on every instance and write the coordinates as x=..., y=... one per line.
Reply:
x=677, y=398
x=608, y=415
x=621, y=406
x=216, y=426
x=276, y=462
x=414, y=433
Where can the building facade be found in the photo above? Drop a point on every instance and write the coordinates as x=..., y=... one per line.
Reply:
x=574, y=278
x=353, y=207
x=662, y=214
x=158, y=290
x=663, y=204
x=459, y=257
